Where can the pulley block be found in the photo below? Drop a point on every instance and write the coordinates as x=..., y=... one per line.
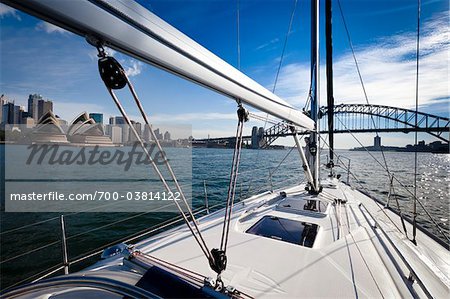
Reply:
x=112, y=72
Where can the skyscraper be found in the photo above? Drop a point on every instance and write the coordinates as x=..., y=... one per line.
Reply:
x=8, y=113
x=167, y=136
x=146, y=134
x=119, y=120
x=17, y=117
x=137, y=127
x=2, y=102
x=12, y=114
x=125, y=133
x=255, y=141
x=48, y=106
x=98, y=117
x=158, y=135
x=37, y=106
x=377, y=141
x=32, y=105
x=116, y=120
x=116, y=134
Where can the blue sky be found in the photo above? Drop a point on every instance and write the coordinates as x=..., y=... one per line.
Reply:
x=37, y=57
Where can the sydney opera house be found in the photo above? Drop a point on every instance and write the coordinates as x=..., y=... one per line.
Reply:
x=83, y=130
x=48, y=130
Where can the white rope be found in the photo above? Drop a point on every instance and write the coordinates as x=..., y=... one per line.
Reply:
x=203, y=245
x=233, y=180
x=120, y=72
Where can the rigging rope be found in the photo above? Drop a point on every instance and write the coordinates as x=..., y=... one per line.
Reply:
x=79, y=235
x=219, y=255
x=361, y=80
x=415, y=200
x=279, y=164
x=291, y=21
x=357, y=180
x=284, y=46
x=164, y=156
x=398, y=207
x=262, y=118
x=238, y=34
x=115, y=77
x=415, y=133
x=398, y=181
x=28, y=225
x=308, y=98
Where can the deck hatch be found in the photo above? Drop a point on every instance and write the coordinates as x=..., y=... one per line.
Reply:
x=303, y=205
x=287, y=230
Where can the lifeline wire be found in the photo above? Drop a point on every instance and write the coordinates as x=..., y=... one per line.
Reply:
x=399, y=182
x=363, y=187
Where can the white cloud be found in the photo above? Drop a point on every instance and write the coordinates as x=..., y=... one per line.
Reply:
x=270, y=43
x=50, y=28
x=6, y=10
x=133, y=67
x=388, y=70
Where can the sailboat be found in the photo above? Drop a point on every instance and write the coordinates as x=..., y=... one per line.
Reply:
x=323, y=238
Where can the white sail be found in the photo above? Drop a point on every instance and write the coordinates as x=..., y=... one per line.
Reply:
x=130, y=28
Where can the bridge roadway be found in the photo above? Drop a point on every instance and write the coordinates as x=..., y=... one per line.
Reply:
x=392, y=130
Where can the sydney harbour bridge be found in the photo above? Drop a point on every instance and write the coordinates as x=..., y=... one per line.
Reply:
x=361, y=118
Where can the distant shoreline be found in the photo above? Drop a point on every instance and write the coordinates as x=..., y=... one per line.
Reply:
x=402, y=149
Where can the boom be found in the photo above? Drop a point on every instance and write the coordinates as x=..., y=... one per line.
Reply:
x=128, y=27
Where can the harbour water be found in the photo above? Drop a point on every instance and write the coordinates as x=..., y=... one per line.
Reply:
x=37, y=247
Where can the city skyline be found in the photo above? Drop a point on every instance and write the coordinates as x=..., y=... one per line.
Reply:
x=43, y=106
x=38, y=110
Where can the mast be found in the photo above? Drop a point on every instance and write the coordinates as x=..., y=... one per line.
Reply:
x=313, y=142
x=330, y=96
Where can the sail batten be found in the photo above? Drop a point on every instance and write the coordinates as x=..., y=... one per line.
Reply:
x=130, y=28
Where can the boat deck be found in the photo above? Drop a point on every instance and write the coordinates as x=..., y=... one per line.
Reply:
x=338, y=244
x=348, y=258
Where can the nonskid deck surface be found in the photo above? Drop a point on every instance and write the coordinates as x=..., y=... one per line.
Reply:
x=350, y=257
x=281, y=245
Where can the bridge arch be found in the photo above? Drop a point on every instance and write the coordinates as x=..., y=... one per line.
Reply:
x=387, y=119
x=357, y=118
